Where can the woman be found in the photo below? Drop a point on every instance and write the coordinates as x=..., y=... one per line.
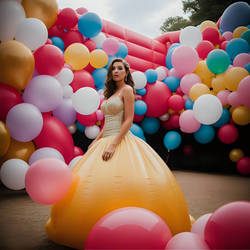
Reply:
x=118, y=170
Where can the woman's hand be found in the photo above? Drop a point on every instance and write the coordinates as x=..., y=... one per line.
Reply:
x=108, y=153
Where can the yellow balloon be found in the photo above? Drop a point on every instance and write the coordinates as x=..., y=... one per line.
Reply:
x=192, y=219
x=77, y=55
x=45, y=10
x=204, y=73
x=17, y=64
x=98, y=58
x=197, y=90
x=231, y=110
x=236, y=154
x=19, y=150
x=241, y=115
x=208, y=23
x=4, y=139
x=233, y=76
x=239, y=31
x=218, y=83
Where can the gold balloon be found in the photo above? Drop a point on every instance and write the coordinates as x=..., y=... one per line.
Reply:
x=239, y=31
x=241, y=115
x=208, y=23
x=98, y=58
x=4, y=139
x=45, y=10
x=236, y=154
x=19, y=150
x=17, y=64
x=197, y=90
x=233, y=76
x=218, y=83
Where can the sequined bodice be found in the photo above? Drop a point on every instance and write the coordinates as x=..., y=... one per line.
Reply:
x=113, y=110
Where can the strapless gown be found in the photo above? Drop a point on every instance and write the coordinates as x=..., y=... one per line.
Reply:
x=135, y=176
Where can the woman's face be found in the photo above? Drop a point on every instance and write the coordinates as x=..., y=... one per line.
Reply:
x=118, y=72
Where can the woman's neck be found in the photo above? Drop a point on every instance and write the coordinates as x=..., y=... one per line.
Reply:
x=120, y=85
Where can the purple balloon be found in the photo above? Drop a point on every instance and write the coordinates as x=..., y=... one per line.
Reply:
x=24, y=122
x=65, y=112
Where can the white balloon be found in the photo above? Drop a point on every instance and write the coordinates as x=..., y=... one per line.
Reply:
x=67, y=91
x=99, y=39
x=92, y=131
x=191, y=36
x=207, y=109
x=74, y=161
x=32, y=32
x=86, y=100
x=13, y=173
x=140, y=79
x=161, y=72
x=72, y=128
x=164, y=117
x=11, y=14
x=65, y=76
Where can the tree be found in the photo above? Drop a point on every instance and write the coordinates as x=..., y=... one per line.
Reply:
x=174, y=23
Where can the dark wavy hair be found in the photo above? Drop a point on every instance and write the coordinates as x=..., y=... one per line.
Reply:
x=110, y=84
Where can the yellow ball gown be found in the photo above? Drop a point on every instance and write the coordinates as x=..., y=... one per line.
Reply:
x=135, y=176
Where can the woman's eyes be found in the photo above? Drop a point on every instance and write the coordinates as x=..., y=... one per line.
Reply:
x=119, y=68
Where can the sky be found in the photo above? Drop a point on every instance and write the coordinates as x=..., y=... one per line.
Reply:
x=142, y=16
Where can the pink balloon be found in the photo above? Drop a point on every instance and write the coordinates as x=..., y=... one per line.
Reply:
x=203, y=48
x=228, y=133
x=241, y=60
x=188, y=81
x=211, y=34
x=243, y=165
x=229, y=226
x=234, y=99
x=185, y=59
x=110, y=46
x=176, y=102
x=82, y=78
x=67, y=18
x=222, y=95
x=173, y=72
x=188, y=122
x=129, y=228
x=223, y=45
x=199, y=225
x=179, y=91
x=244, y=91
x=99, y=115
x=81, y=10
x=228, y=35
x=186, y=240
x=48, y=180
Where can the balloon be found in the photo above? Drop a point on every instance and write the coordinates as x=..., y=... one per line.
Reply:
x=164, y=117
x=205, y=134
x=58, y=42
x=13, y=173
x=188, y=122
x=172, y=82
x=243, y=165
x=78, y=151
x=228, y=35
x=99, y=76
x=123, y=51
x=223, y=96
x=189, y=104
x=87, y=120
x=198, y=90
x=246, y=36
x=141, y=92
x=229, y=226
x=176, y=102
x=67, y=18
x=169, y=55
x=99, y=39
x=218, y=83
x=98, y=58
x=67, y=91
x=140, y=107
x=129, y=228
x=174, y=120
x=16, y=64
x=65, y=76
x=4, y=138
x=82, y=78
x=150, y=125
x=161, y=72
x=203, y=48
x=224, y=119
x=72, y=128
x=207, y=23
x=74, y=161
x=188, y=81
x=72, y=36
x=228, y=133
x=48, y=180
x=236, y=154
x=81, y=10
x=234, y=99
x=241, y=60
x=190, y=36
x=241, y=115
x=172, y=140
x=151, y=75
x=239, y=31
x=207, y=109
x=237, y=46
x=77, y=55
x=137, y=131
x=211, y=34
x=243, y=91
x=111, y=46
x=45, y=10
x=90, y=45
x=92, y=132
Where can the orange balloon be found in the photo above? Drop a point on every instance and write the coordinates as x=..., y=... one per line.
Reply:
x=233, y=76
x=208, y=23
x=4, y=139
x=236, y=154
x=98, y=58
x=239, y=31
x=45, y=10
x=241, y=115
x=19, y=150
x=17, y=64
x=218, y=83
x=197, y=90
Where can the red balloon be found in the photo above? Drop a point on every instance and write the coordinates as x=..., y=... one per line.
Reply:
x=138, y=97
x=87, y=120
x=223, y=45
x=90, y=45
x=174, y=120
x=243, y=165
x=211, y=34
x=228, y=133
x=188, y=149
x=179, y=91
x=156, y=99
x=176, y=102
x=89, y=68
x=129, y=228
x=229, y=227
x=77, y=151
x=167, y=125
x=9, y=97
x=138, y=118
x=56, y=135
x=72, y=36
x=67, y=18
x=203, y=48
x=49, y=41
x=82, y=78
x=55, y=31
x=49, y=60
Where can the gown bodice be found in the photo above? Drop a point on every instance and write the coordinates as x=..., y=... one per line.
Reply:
x=113, y=110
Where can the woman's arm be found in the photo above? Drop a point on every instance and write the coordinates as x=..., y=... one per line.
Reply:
x=96, y=139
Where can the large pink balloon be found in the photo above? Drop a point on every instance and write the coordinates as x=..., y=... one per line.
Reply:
x=241, y=60
x=48, y=180
x=56, y=135
x=188, y=122
x=229, y=226
x=222, y=95
x=244, y=91
x=156, y=99
x=110, y=46
x=129, y=228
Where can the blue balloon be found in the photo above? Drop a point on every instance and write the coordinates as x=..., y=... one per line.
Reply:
x=141, y=92
x=236, y=14
x=172, y=140
x=205, y=134
x=237, y=46
x=90, y=24
x=99, y=76
x=58, y=42
x=151, y=75
x=137, y=131
x=224, y=119
x=123, y=51
x=189, y=104
x=246, y=36
x=111, y=58
x=150, y=125
x=169, y=55
x=172, y=82
x=140, y=107
x=247, y=67
x=80, y=127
